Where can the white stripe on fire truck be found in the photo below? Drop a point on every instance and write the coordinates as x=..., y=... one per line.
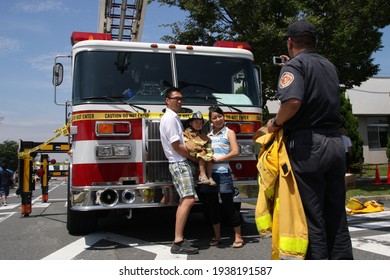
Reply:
x=84, y=151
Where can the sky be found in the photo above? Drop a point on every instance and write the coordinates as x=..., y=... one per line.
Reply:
x=35, y=31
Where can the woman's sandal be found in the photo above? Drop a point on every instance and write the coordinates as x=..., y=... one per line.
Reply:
x=238, y=244
x=215, y=242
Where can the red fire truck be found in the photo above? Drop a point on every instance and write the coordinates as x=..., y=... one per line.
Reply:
x=117, y=161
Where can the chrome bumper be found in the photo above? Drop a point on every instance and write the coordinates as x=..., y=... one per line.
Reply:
x=162, y=194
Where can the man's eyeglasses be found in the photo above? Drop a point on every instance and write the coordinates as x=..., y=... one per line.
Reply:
x=177, y=98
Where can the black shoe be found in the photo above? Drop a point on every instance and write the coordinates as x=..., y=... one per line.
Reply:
x=184, y=247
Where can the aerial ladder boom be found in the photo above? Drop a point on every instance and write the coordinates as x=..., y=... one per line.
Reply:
x=123, y=19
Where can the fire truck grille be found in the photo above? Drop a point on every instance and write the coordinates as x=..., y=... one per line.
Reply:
x=157, y=169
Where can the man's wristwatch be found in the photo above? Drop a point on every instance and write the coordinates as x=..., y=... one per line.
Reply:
x=274, y=123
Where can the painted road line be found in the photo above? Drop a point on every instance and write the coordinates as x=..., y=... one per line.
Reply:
x=378, y=244
x=39, y=204
x=370, y=226
x=72, y=250
x=9, y=206
x=5, y=215
x=359, y=217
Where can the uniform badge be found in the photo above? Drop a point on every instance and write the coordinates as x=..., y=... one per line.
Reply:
x=286, y=79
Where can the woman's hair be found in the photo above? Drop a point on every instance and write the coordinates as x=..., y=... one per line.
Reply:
x=215, y=109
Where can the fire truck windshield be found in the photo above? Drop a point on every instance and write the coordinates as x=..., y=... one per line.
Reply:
x=142, y=77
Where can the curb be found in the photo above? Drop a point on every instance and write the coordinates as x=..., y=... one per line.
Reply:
x=374, y=197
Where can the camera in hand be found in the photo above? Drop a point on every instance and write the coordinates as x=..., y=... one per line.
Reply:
x=277, y=60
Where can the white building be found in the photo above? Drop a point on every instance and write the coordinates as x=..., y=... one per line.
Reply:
x=371, y=104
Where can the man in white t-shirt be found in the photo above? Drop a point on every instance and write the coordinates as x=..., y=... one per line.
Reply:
x=172, y=140
x=347, y=146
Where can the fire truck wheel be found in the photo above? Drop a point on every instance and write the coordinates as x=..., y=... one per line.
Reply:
x=80, y=223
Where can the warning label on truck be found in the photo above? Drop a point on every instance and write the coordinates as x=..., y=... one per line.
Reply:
x=130, y=115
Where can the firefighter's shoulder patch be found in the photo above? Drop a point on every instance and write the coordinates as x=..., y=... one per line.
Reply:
x=286, y=79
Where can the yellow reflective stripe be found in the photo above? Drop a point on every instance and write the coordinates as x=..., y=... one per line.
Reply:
x=264, y=224
x=294, y=246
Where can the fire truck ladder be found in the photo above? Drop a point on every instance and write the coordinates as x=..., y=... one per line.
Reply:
x=123, y=19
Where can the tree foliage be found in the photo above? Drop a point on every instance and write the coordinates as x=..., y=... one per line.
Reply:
x=351, y=123
x=9, y=153
x=349, y=31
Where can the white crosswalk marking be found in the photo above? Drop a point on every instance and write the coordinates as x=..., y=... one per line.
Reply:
x=9, y=206
x=376, y=243
x=72, y=250
x=371, y=226
x=368, y=215
x=5, y=215
x=41, y=205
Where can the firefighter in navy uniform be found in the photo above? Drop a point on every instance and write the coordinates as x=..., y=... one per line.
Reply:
x=308, y=89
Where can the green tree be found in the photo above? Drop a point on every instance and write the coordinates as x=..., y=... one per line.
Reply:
x=351, y=123
x=9, y=153
x=349, y=31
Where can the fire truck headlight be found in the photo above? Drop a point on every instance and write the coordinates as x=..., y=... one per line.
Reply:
x=122, y=151
x=246, y=150
x=104, y=151
x=113, y=151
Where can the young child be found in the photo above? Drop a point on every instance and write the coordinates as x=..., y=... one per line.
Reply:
x=199, y=145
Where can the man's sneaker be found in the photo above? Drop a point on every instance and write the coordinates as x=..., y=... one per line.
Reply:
x=184, y=247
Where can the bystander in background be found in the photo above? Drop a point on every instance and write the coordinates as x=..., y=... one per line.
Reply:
x=348, y=148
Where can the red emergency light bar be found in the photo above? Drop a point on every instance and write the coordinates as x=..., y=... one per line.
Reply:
x=231, y=44
x=83, y=36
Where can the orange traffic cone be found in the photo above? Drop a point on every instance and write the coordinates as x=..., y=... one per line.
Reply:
x=377, y=177
x=388, y=174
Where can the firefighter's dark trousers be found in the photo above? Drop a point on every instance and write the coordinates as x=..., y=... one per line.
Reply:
x=318, y=162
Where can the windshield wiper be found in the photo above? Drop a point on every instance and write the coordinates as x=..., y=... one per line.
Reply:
x=111, y=98
x=216, y=99
x=115, y=99
x=183, y=84
x=229, y=106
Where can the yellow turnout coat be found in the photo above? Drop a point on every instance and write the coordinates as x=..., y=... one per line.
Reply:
x=279, y=209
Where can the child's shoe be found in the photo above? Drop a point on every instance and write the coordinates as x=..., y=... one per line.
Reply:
x=212, y=182
x=204, y=180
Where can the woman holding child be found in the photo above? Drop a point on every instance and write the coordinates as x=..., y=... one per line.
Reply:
x=225, y=147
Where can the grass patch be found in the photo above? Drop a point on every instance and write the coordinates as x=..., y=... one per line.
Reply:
x=369, y=170
x=367, y=187
x=369, y=190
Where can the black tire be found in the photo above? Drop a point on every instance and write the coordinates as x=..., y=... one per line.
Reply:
x=81, y=223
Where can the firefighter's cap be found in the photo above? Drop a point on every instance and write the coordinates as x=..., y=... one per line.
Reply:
x=301, y=28
x=196, y=116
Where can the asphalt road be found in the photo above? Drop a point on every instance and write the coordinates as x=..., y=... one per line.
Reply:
x=148, y=235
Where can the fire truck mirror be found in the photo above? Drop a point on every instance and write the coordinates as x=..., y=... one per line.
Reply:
x=58, y=73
